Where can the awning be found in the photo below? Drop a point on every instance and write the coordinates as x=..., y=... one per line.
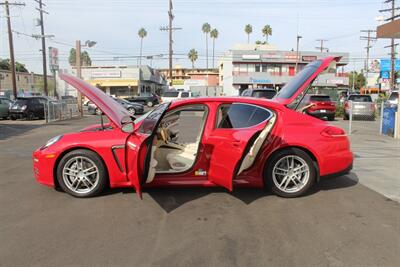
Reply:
x=114, y=82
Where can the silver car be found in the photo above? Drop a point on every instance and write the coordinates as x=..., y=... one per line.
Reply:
x=362, y=107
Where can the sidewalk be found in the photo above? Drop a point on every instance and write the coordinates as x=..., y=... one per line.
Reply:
x=377, y=157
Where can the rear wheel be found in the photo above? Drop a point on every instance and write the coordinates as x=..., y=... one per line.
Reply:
x=13, y=118
x=81, y=173
x=331, y=118
x=290, y=173
x=30, y=116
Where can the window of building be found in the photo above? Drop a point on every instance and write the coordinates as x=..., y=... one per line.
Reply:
x=241, y=116
x=258, y=68
x=264, y=67
x=251, y=68
x=243, y=68
x=236, y=68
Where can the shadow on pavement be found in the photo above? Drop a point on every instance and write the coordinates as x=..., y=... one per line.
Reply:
x=9, y=130
x=170, y=199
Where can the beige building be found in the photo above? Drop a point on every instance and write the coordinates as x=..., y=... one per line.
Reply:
x=26, y=83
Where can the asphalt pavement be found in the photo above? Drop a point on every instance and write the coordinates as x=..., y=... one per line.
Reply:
x=342, y=222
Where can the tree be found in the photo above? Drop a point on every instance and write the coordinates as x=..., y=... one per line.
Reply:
x=85, y=58
x=258, y=42
x=267, y=31
x=359, y=80
x=206, y=28
x=5, y=64
x=214, y=35
x=193, y=56
x=141, y=33
x=248, y=29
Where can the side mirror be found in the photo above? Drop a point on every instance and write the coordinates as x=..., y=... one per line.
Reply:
x=128, y=127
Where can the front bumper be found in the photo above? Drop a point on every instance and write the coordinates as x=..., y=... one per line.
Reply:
x=18, y=114
x=43, y=166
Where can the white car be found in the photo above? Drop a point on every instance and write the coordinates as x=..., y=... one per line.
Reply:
x=169, y=96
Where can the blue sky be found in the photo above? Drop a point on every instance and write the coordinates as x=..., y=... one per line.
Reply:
x=114, y=25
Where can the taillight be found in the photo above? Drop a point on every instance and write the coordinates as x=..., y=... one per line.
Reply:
x=346, y=105
x=332, y=131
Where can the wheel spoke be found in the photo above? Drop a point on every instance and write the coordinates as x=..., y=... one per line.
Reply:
x=88, y=180
x=283, y=180
x=89, y=169
x=90, y=173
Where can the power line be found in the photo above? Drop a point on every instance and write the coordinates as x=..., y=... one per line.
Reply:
x=321, y=47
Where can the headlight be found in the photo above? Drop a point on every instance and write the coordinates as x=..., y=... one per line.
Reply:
x=23, y=107
x=51, y=142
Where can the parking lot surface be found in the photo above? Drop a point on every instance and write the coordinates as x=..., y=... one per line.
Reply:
x=353, y=220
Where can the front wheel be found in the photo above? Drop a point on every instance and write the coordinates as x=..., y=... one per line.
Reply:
x=290, y=173
x=81, y=173
x=132, y=111
x=149, y=104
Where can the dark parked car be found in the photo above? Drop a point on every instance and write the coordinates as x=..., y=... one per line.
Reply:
x=260, y=93
x=28, y=107
x=147, y=99
x=5, y=105
x=132, y=107
x=320, y=106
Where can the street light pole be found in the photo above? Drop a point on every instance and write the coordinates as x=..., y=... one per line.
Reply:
x=297, y=51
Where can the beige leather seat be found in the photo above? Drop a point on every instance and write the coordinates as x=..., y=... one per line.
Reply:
x=183, y=160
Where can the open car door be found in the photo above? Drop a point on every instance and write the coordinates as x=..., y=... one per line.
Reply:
x=239, y=127
x=139, y=155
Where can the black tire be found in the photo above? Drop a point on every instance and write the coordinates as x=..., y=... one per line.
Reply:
x=345, y=117
x=331, y=118
x=102, y=173
x=149, y=104
x=132, y=111
x=13, y=118
x=268, y=176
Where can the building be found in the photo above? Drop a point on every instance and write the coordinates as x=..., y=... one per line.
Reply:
x=259, y=66
x=180, y=75
x=119, y=81
x=27, y=83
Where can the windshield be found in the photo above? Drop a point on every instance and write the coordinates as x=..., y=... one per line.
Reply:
x=293, y=85
x=264, y=94
x=171, y=94
x=360, y=98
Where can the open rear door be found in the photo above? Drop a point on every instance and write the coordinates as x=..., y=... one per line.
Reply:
x=229, y=142
x=139, y=149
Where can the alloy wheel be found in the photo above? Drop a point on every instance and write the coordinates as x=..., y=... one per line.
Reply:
x=290, y=174
x=80, y=174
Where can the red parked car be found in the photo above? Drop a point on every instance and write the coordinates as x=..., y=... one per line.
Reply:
x=217, y=141
x=321, y=106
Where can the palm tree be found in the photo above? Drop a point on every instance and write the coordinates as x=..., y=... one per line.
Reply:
x=193, y=56
x=206, y=28
x=267, y=31
x=248, y=29
x=142, y=33
x=213, y=35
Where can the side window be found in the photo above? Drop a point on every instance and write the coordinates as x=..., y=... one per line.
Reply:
x=185, y=94
x=241, y=116
x=246, y=93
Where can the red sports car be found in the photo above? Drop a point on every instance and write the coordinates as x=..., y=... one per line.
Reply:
x=215, y=141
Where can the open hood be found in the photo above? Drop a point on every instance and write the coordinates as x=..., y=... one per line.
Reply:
x=299, y=83
x=115, y=112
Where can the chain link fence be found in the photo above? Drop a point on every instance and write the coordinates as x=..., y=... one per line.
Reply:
x=61, y=110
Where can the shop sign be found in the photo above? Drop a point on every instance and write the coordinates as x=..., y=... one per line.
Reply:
x=251, y=57
x=260, y=80
x=290, y=56
x=177, y=82
x=106, y=74
x=271, y=55
x=308, y=58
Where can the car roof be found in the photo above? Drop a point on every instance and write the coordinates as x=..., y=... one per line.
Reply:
x=224, y=99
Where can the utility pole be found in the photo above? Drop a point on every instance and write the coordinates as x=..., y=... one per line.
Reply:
x=11, y=45
x=369, y=39
x=170, y=29
x=41, y=11
x=78, y=73
x=298, y=37
x=321, y=48
x=392, y=10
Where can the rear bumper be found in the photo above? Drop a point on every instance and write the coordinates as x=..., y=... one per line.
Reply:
x=318, y=113
x=339, y=173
